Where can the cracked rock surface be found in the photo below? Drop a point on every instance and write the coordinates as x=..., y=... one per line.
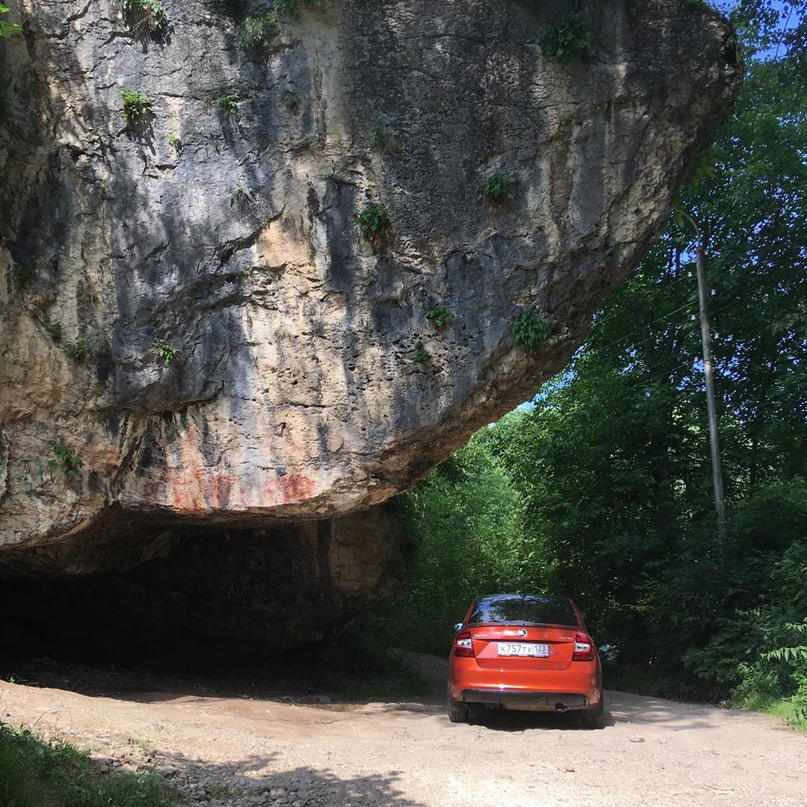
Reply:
x=194, y=331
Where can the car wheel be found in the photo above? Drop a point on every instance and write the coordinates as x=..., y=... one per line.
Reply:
x=457, y=712
x=595, y=718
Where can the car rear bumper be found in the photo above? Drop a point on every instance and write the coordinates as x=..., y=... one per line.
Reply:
x=577, y=687
x=527, y=701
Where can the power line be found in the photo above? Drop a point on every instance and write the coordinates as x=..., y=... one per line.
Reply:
x=685, y=276
x=690, y=304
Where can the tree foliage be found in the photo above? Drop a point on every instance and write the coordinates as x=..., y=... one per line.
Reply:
x=7, y=29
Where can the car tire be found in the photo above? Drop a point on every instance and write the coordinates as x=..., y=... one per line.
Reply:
x=457, y=712
x=595, y=718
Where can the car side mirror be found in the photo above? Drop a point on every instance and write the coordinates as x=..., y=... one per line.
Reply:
x=458, y=627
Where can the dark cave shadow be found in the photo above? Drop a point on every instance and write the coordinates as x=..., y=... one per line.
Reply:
x=275, y=681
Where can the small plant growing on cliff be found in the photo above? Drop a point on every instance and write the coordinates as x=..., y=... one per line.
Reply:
x=374, y=223
x=146, y=14
x=439, y=317
x=166, y=353
x=565, y=39
x=291, y=101
x=419, y=355
x=243, y=194
x=383, y=140
x=67, y=460
x=228, y=104
x=77, y=350
x=529, y=331
x=21, y=276
x=289, y=8
x=495, y=189
x=175, y=142
x=136, y=107
x=54, y=330
x=257, y=32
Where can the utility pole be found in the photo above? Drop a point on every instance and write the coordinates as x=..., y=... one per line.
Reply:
x=709, y=373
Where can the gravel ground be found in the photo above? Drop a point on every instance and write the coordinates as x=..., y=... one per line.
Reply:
x=224, y=750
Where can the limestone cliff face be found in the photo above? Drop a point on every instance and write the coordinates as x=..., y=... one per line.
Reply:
x=222, y=227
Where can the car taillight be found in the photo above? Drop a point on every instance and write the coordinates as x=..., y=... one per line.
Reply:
x=464, y=644
x=584, y=649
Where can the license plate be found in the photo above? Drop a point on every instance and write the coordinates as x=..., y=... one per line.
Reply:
x=531, y=649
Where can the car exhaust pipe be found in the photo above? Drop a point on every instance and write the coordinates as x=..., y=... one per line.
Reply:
x=559, y=708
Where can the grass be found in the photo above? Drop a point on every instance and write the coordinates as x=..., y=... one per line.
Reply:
x=35, y=773
x=779, y=707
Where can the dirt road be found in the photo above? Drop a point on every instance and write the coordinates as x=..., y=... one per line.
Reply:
x=224, y=750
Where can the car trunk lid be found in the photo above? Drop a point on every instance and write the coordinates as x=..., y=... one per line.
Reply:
x=523, y=647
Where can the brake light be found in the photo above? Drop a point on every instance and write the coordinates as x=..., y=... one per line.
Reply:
x=464, y=644
x=584, y=649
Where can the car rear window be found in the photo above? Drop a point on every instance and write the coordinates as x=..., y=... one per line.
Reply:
x=528, y=608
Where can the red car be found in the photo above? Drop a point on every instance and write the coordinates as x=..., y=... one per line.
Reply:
x=525, y=651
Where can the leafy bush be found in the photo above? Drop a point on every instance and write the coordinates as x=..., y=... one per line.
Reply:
x=374, y=222
x=290, y=8
x=382, y=139
x=21, y=276
x=565, y=40
x=257, y=32
x=136, y=107
x=54, y=330
x=68, y=460
x=495, y=189
x=291, y=101
x=148, y=14
x=419, y=355
x=529, y=331
x=227, y=104
x=439, y=316
x=77, y=350
x=166, y=353
x=243, y=194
